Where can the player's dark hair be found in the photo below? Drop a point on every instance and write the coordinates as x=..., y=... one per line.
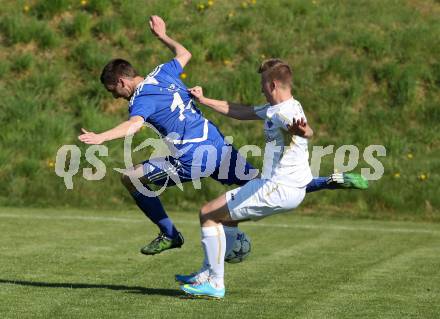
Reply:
x=276, y=69
x=116, y=69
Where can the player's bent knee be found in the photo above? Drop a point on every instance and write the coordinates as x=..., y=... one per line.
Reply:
x=211, y=213
x=125, y=180
x=205, y=213
x=136, y=173
x=205, y=210
x=206, y=218
x=201, y=217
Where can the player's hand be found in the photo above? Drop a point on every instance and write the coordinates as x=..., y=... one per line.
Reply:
x=157, y=26
x=197, y=92
x=298, y=127
x=90, y=137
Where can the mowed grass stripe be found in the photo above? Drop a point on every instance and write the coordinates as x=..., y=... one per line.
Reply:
x=195, y=222
x=334, y=273
x=393, y=281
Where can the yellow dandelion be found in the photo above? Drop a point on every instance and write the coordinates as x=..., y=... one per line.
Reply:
x=183, y=76
x=231, y=14
x=396, y=175
x=423, y=177
x=253, y=1
x=26, y=8
x=409, y=156
x=210, y=3
x=227, y=62
x=201, y=7
x=244, y=5
x=50, y=163
x=83, y=3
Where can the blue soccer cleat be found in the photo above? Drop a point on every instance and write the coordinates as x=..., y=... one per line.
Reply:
x=194, y=278
x=203, y=290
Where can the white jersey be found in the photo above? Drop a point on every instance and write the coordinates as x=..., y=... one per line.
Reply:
x=286, y=158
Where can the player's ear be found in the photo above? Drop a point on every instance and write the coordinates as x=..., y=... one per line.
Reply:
x=124, y=82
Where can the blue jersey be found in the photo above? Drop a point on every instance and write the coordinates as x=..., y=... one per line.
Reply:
x=164, y=101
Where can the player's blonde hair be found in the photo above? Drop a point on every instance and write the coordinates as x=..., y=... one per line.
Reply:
x=276, y=70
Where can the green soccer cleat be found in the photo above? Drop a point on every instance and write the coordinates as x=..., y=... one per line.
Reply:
x=162, y=243
x=348, y=180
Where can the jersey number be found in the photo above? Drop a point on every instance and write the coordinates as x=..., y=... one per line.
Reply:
x=178, y=103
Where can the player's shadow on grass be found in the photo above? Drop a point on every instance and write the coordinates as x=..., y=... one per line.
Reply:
x=129, y=289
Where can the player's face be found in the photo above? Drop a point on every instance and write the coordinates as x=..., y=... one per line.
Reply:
x=119, y=90
x=266, y=88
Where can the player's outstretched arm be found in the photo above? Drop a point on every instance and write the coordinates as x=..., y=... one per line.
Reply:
x=158, y=27
x=126, y=128
x=234, y=110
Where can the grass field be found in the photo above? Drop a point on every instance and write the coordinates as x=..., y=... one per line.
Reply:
x=85, y=264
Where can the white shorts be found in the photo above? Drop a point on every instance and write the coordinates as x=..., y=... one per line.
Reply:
x=260, y=198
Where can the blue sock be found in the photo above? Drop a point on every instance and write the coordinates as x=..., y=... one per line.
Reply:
x=153, y=209
x=319, y=183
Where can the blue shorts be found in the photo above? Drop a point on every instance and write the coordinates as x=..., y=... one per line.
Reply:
x=228, y=168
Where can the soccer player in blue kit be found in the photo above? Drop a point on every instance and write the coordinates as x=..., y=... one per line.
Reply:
x=162, y=100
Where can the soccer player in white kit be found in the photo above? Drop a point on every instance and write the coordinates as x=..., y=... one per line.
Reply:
x=282, y=186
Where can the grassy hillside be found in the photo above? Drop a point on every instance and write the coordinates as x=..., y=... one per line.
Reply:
x=366, y=72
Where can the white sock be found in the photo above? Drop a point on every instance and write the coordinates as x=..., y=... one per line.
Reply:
x=231, y=235
x=203, y=273
x=214, y=246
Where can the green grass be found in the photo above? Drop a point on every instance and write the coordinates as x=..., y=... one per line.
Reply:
x=85, y=264
x=22, y=62
x=76, y=26
x=366, y=73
